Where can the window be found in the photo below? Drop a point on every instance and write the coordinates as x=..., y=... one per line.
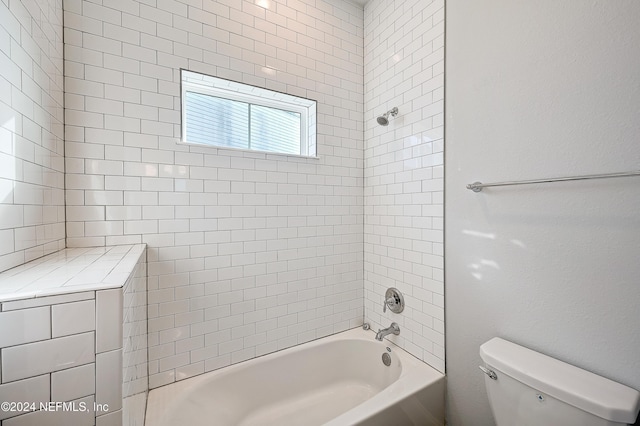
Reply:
x=228, y=114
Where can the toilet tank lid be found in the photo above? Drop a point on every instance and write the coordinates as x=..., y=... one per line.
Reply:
x=582, y=389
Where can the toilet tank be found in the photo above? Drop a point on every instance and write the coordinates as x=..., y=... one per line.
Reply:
x=532, y=389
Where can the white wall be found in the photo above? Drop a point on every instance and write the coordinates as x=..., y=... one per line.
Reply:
x=404, y=169
x=540, y=89
x=248, y=252
x=31, y=131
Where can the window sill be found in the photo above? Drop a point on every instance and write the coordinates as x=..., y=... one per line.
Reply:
x=250, y=151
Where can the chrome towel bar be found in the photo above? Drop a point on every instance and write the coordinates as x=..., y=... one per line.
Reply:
x=477, y=186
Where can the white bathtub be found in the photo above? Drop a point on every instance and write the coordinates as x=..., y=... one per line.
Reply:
x=338, y=380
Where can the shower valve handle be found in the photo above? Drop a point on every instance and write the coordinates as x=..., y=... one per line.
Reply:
x=389, y=302
x=393, y=300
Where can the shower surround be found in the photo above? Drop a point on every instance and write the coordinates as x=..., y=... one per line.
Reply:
x=248, y=252
x=404, y=167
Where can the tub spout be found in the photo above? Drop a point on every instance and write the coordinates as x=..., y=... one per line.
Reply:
x=392, y=329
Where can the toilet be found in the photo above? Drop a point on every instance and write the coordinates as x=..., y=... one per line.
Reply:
x=527, y=388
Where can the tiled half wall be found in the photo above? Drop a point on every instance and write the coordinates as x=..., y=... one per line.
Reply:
x=87, y=348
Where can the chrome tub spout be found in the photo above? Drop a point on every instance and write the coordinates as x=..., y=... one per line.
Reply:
x=392, y=329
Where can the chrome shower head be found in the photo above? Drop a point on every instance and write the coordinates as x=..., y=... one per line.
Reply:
x=383, y=120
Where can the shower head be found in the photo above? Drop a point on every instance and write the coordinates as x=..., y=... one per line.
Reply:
x=383, y=120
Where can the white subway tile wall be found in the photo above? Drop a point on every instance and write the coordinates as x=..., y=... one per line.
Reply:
x=32, y=221
x=404, y=164
x=248, y=252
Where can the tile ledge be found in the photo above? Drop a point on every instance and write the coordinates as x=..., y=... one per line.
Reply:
x=34, y=279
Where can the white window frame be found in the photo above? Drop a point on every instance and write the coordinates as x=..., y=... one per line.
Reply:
x=249, y=99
